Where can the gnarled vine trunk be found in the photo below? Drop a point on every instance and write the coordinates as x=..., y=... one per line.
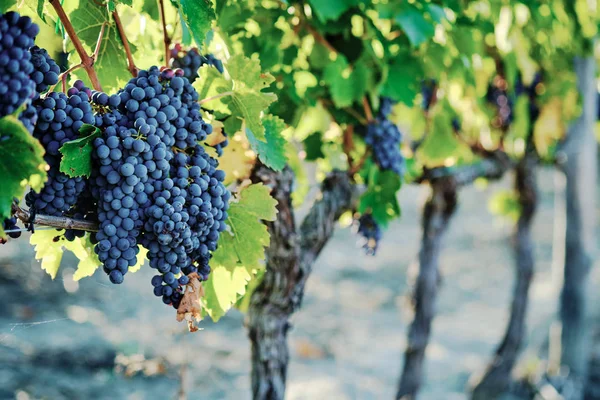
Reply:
x=436, y=216
x=497, y=378
x=289, y=260
x=579, y=165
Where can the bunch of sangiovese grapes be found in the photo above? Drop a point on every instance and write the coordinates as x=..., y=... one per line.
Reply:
x=152, y=182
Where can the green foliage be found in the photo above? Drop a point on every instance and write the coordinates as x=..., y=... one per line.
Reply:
x=272, y=151
x=22, y=163
x=198, y=16
x=380, y=197
x=77, y=154
x=505, y=203
x=240, y=251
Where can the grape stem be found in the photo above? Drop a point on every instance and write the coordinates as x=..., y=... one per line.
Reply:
x=367, y=108
x=166, y=38
x=215, y=97
x=130, y=63
x=348, y=145
x=86, y=60
x=56, y=222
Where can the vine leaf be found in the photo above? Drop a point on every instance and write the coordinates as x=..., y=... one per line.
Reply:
x=22, y=163
x=5, y=5
x=237, y=159
x=50, y=246
x=413, y=22
x=111, y=65
x=400, y=84
x=346, y=84
x=245, y=99
x=77, y=154
x=332, y=9
x=198, y=16
x=272, y=152
x=380, y=198
x=240, y=251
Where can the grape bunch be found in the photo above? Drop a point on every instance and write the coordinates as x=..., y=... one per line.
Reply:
x=384, y=138
x=60, y=116
x=190, y=61
x=17, y=35
x=155, y=184
x=10, y=225
x=370, y=231
x=498, y=96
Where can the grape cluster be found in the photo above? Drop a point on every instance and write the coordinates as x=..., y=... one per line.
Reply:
x=59, y=118
x=370, y=231
x=10, y=224
x=498, y=96
x=17, y=35
x=45, y=70
x=221, y=145
x=384, y=138
x=155, y=185
x=190, y=61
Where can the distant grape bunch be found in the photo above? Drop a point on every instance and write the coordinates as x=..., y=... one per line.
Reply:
x=370, y=231
x=384, y=139
x=499, y=97
x=191, y=60
x=152, y=183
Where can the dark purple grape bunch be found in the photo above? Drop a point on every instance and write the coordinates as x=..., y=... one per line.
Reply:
x=384, y=138
x=10, y=227
x=428, y=89
x=60, y=116
x=498, y=96
x=45, y=70
x=17, y=36
x=191, y=60
x=370, y=232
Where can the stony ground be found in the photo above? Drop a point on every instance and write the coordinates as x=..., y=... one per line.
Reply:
x=91, y=340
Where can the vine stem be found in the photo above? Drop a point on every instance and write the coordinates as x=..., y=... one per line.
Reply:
x=367, y=108
x=166, y=38
x=55, y=222
x=130, y=63
x=63, y=77
x=215, y=97
x=86, y=60
x=349, y=145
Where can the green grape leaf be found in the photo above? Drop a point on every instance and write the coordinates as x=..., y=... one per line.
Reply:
x=241, y=249
x=5, y=5
x=246, y=73
x=413, y=23
x=243, y=302
x=150, y=7
x=111, y=64
x=198, y=16
x=271, y=152
x=22, y=163
x=332, y=9
x=250, y=105
x=47, y=249
x=402, y=76
x=380, y=198
x=240, y=97
x=77, y=154
x=346, y=84
x=313, y=146
x=440, y=144
x=84, y=251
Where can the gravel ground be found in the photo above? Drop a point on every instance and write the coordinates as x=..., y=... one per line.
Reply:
x=91, y=340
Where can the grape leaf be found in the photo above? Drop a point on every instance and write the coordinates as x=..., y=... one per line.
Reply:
x=111, y=64
x=150, y=7
x=345, y=83
x=244, y=98
x=198, y=16
x=237, y=159
x=332, y=9
x=88, y=259
x=50, y=246
x=241, y=250
x=5, y=5
x=440, y=144
x=413, y=23
x=403, y=74
x=313, y=146
x=271, y=152
x=22, y=163
x=77, y=154
x=380, y=198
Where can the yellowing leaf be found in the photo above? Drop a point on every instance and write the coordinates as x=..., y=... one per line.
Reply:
x=48, y=249
x=237, y=159
x=141, y=259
